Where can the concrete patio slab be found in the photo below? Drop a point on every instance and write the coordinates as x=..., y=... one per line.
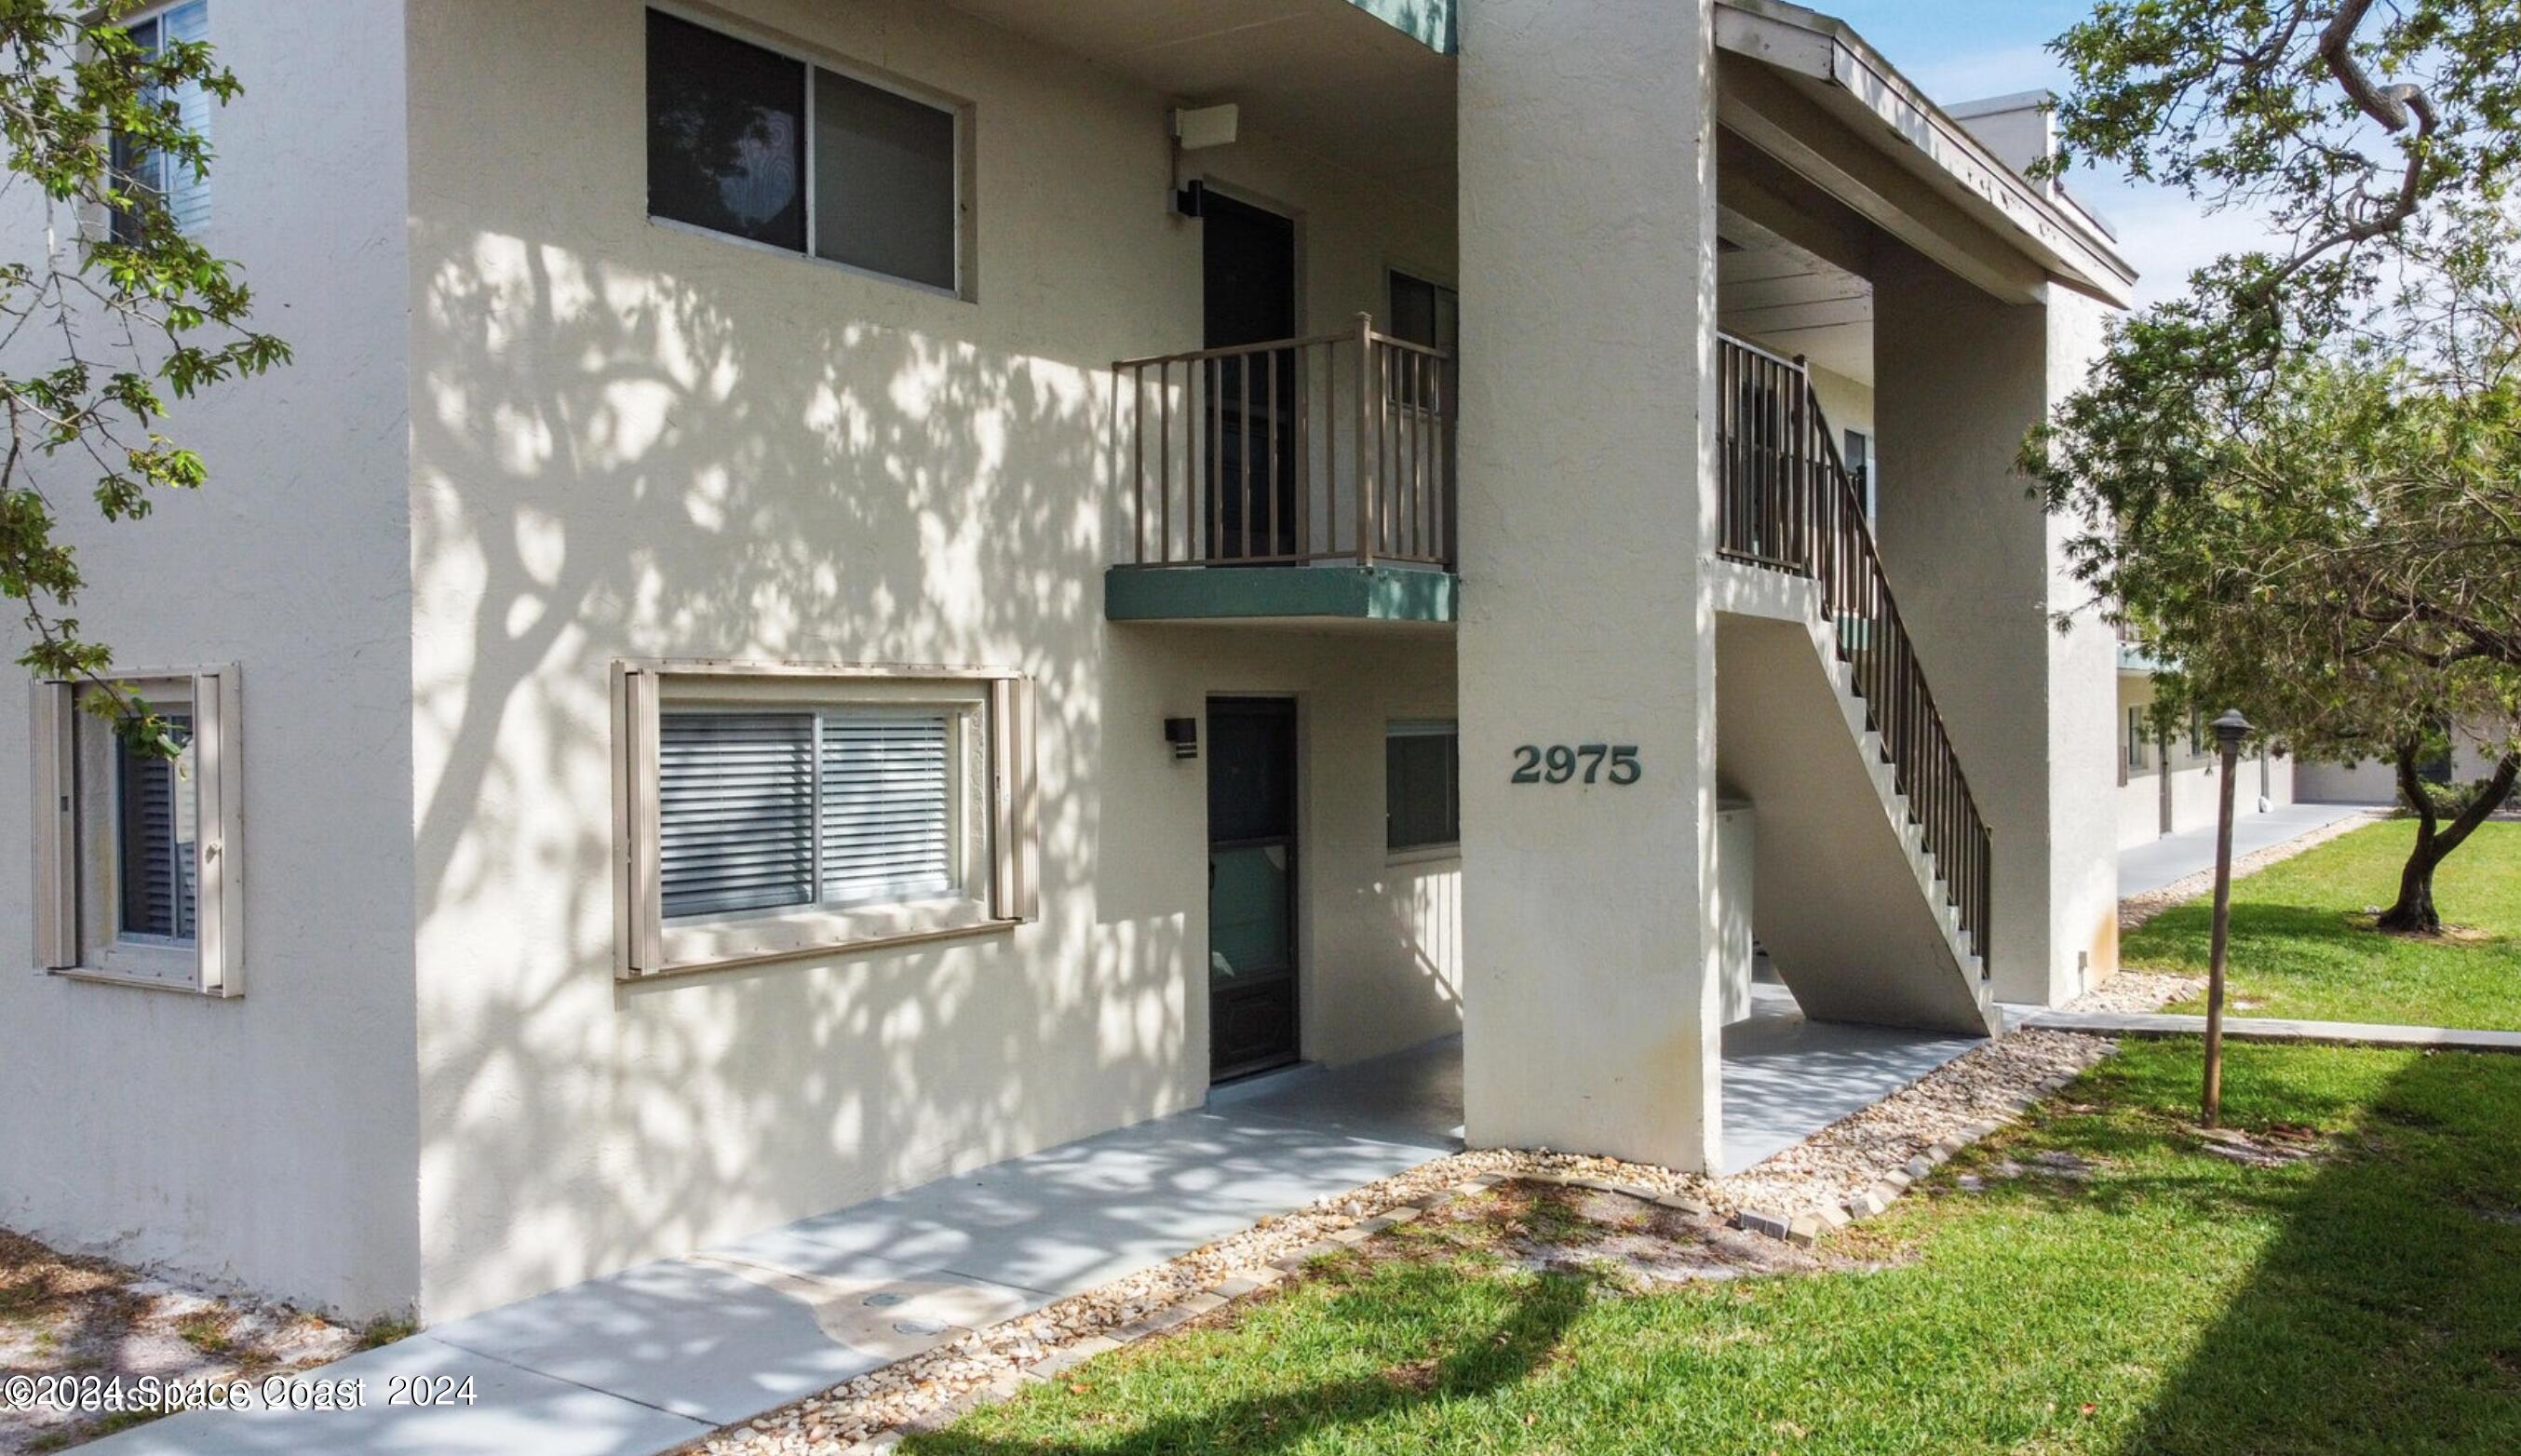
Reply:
x=512, y=1411
x=1786, y=1078
x=2155, y=863
x=1412, y=1098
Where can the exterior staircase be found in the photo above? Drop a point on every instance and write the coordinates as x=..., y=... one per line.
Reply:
x=1875, y=863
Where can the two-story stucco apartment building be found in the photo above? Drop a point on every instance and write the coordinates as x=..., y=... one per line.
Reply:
x=713, y=695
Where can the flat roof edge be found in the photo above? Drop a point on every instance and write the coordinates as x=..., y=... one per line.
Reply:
x=1826, y=49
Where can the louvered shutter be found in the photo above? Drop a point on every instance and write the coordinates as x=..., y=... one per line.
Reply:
x=735, y=811
x=55, y=752
x=887, y=817
x=188, y=197
x=158, y=830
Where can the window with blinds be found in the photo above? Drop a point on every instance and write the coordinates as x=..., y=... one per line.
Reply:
x=790, y=808
x=138, y=852
x=156, y=832
x=186, y=194
x=1422, y=785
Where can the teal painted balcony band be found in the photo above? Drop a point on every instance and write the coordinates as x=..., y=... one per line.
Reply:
x=1214, y=593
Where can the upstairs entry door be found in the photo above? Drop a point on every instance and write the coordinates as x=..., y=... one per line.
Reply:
x=1248, y=297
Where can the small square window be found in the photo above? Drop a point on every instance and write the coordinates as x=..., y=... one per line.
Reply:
x=136, y=869
x=1421, y=786
x=779, y=811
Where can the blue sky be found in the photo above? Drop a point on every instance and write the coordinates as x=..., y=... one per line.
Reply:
x=1962, y=50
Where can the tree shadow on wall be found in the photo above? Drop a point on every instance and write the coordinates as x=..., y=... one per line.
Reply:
x=611, y=463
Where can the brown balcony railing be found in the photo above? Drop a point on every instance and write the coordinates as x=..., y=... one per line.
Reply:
x=1336, y=447
x=1789, y=504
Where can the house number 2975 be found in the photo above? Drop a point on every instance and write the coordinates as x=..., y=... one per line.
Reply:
x=1583, y=763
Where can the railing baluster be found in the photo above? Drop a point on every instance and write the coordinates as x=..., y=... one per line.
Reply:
x=1304, y=483
x=1368, y=509
x=1271, y=360
x=1398, y=474
x=1788, y=503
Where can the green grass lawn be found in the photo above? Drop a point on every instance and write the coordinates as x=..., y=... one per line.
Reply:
x=2300, y=948
x=2365, y=1301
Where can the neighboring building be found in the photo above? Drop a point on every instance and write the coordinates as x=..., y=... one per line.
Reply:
x=2167, y=784
x=725, y=702
x=2375, y=781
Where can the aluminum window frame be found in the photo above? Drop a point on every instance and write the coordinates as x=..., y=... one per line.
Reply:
x=1432, y=850
x=966, y=153
x=76, y=803
x=993, y=794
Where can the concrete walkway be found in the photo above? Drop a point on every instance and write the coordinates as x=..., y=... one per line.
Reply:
x=648, y=1359
x=2155, y=863
x=2278, y=1028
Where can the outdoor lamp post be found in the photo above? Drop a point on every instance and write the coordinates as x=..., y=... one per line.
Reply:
x=2229, y=730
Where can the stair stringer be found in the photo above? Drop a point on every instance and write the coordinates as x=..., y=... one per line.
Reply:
x=1851, y=905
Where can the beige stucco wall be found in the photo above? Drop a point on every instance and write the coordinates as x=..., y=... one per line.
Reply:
x=1980, y=571
x=1847, y=403
x=1587, y=495
x=2376, y=780
x=634, y=440
x=270, y=1139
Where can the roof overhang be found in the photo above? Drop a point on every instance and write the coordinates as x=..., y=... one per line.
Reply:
x=1835, y=111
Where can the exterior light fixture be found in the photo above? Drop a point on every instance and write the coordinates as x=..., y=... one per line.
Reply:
x=1183, y=735
x=1196, y=129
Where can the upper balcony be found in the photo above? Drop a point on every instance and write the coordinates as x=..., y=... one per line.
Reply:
x=1307, y=478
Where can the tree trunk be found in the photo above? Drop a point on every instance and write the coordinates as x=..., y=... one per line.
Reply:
x=2414, y=913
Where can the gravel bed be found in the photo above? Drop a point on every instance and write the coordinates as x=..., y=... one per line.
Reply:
x=2136, y=909
x=1839, y=1164
x=2134, y=992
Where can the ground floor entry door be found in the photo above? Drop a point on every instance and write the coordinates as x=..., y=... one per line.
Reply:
x=1250, y=884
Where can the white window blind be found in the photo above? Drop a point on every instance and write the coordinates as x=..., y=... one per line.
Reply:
x=735, y=811
x=138, y=876
x=886, y=810
x=765, y=810
x=187, y=196
x=157, y=835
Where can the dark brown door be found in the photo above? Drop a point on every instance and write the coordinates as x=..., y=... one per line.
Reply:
x=1248, y=281
x=1250, y=884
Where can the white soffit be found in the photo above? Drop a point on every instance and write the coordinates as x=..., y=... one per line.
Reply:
x=1835, y=70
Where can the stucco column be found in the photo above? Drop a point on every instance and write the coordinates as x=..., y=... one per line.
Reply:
x=1980, y=573
x=1588, y=260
